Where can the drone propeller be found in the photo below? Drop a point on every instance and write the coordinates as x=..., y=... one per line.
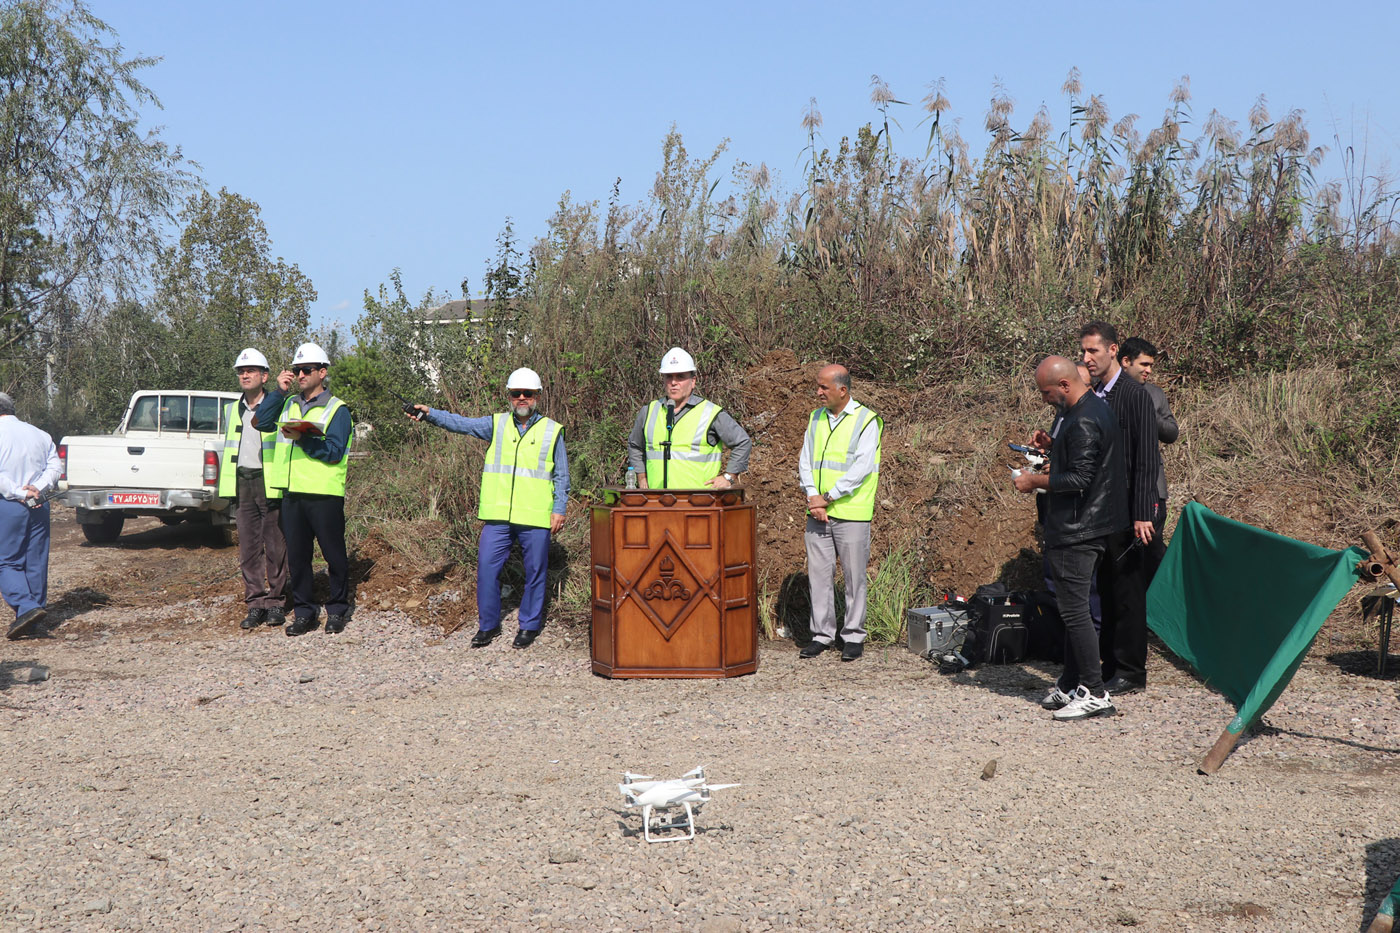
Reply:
x=628, y=777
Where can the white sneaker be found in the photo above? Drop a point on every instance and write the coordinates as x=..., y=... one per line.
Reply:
x=1056, y=699
x=1084, y=704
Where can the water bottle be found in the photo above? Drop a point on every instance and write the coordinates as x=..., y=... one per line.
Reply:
x=631, y=477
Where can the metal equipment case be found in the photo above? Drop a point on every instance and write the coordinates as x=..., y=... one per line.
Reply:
x=934, y=632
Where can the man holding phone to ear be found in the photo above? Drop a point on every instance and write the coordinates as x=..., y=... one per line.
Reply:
x=310, y=458
x=524, y=494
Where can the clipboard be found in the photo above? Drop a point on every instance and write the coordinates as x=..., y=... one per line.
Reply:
x=303, y=427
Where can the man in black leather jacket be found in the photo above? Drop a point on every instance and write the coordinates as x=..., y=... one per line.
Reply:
x=1085, y=507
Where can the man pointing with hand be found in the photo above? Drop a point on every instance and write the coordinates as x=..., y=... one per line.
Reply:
x=524, y=495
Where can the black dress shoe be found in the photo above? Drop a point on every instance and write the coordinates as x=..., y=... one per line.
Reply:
x=253, y=619
x=335, y=624
x=22, y=624
x=852, y=650
x=276, y=616
x=485, y=636
x=301, y=626
x=811, y=650
x=525, y=637
x=1120, y=686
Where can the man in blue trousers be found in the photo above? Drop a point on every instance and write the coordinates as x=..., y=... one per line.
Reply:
x=524, y=492
x=29, y=465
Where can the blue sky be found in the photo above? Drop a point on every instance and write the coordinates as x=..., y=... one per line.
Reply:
x=377, y=136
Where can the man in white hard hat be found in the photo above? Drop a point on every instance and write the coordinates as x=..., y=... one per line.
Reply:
x=309, y=460
x=262, y=551
x=524, y=493
x=29, y=467
x=677, y=441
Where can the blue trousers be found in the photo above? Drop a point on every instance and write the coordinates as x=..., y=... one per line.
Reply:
x=494, y=548
x=24, y=555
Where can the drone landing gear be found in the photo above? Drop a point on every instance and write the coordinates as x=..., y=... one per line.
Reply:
x=653, y=821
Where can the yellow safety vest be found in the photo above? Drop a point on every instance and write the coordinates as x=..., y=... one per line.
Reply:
x=228, y=460
x=694, y=460
x=830, y=451
x=294, y=471
x=517, y=481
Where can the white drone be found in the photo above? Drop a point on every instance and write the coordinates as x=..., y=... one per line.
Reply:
x=689, y=791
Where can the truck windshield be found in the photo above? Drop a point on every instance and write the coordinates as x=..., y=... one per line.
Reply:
x=175, y=413
x=204, y=415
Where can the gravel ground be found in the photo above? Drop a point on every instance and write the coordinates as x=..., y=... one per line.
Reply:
x=172, y=773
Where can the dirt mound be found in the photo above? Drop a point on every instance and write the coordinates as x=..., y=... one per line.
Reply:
x=944, y=485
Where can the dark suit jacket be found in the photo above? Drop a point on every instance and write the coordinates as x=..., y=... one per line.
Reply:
x=1167, y=430
x=1132, y=406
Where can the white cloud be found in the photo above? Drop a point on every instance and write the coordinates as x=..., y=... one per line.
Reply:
x=341, y=306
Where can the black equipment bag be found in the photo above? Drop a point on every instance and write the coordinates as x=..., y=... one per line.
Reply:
x=996, y=629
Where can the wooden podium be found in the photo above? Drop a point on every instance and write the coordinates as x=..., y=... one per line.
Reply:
x=674, y=593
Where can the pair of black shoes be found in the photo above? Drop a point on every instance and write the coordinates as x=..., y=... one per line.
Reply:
x=523, y=638
x=258, y=617
x=850, y=650
x=335, y=624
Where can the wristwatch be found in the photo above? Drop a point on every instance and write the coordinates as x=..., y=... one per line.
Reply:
x=828, y=497
x=729, y=477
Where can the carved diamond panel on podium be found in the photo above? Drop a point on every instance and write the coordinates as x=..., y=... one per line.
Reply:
x=669, y=587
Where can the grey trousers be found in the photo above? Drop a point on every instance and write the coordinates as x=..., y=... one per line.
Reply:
x=827, y=542
x=262, y=551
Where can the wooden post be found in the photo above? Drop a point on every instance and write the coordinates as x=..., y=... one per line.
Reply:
x=1222, y=748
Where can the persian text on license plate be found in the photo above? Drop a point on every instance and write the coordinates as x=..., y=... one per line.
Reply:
x=133, y=498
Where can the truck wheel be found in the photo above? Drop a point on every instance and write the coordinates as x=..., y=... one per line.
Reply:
x=105, y=531
x=223, y=534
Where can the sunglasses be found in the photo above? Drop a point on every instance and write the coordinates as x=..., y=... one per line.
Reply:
x=304, y=370
x=522, y=393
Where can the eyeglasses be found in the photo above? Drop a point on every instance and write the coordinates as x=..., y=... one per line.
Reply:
x=522, y=393
x=305, y=370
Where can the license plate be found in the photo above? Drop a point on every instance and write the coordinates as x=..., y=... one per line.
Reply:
x=133, y=498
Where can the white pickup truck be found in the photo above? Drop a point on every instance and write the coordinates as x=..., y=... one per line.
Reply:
x=163, y=460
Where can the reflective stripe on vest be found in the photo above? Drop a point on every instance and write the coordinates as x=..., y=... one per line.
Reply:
x=694, y=460
x=517, y=480
x=228, y=459
x=293, y=470
x=830, y=451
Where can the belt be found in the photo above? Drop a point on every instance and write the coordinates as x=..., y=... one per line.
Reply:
x=249, y=472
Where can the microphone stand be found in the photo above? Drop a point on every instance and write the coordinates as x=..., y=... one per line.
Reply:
x=666, y=445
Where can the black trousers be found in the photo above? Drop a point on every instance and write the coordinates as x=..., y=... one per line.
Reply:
x=1072, y=568
x=1158, y=548
x=1123, y=588
x=307, y=518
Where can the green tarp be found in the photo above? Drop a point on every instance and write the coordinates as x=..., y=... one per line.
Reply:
x=1242, y=605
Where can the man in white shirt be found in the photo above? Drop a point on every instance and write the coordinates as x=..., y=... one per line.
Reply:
x=29, y=466
x=839, y=469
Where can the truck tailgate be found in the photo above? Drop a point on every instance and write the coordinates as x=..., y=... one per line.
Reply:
x=142, y=462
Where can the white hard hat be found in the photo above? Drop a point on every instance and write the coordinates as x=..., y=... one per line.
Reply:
x=677, y=360
x=524, y=378
x=311, y=353
x=250, y=357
